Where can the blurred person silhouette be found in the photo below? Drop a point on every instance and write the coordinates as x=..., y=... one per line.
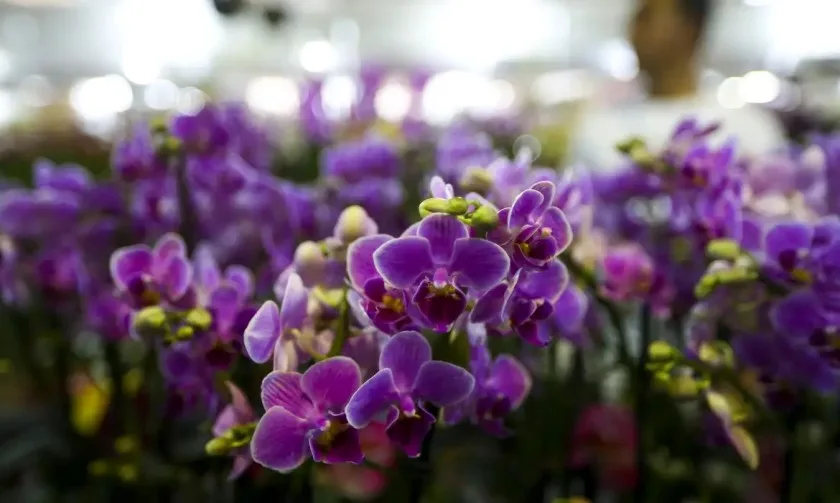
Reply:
x=668, y=36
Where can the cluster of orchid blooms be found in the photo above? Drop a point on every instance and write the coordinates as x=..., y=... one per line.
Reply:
x=361, y=298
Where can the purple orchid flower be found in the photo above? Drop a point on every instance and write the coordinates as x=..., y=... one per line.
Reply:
x=501, y=385
x=407, y=379
x=440, y=261
x=384, y=305
x=305, y=416
x=225, y=295
x=236, y=414
x=271, y=330
x=524, y=303
x=534, y=231
x=793, y=249
x=148, y=276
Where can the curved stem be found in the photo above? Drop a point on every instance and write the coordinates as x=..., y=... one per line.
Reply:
x=641, y=388
x=613, y=312
x=342, y=331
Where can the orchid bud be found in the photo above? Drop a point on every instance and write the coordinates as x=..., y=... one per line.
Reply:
x=476, y=180
x=199, y=319
x=725, y=249
x=310, y=262
x=354, y=223
x=219, y=446
x=484, y=218
x=457, y=206
x=150, y=322
x=433, y=205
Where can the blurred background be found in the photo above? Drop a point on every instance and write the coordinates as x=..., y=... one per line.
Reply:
x=88, y=62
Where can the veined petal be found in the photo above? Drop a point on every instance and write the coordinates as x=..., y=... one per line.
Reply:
x=330, y=383
x=279, y=442
x=442, y=231
x=788, y=236
x=242, y=279
x=175, y=277
x=127, y=263
x=479, y=264
x=443, y=383
x=207, y=273
x=168, y=246
x=284, y=389
x=798, y=314
x=404, y=354
x=226, y=420
x=295, y=301
x=372, y=400
x=404, y=260
x=239, y=401
x=561, y=230
x=262, y=332
x=548, y=283
x=488, y=308
x=360, y=264
x=524, y=206
x=547, y=189
x=510, y=378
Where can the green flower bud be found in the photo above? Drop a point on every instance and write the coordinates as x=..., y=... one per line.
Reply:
x=150, y=322
x=199, y=319
x=433, y=205
x=706, y=286
x=219, y=446
x=159, y=125
x=476, y=180
x=484, y=218
x=184, y=333
x=629, y=145
x=457, y=206
x=354, y=223
x=725, y=249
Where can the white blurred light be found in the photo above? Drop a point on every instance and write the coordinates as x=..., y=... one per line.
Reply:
x=759, y=87
x=449, y=94
x=20, y=29
x=338, y=95
x=191, y=100
x=618, y=60
x=492, y=98
x=161, y=95
x=757, y=3
x=318, y=56
x=182, y=34
x=273, y=95
x=36, y=91
x=393, y=101
x=101, y=97
x=140, y=67
x=7, y=107
x=729, y=93
x=5, y=65
x=559, y=87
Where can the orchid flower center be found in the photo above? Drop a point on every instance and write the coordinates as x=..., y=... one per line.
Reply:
x=393, y=303
x=444, y=290
x=330, y=431
x=546, y=232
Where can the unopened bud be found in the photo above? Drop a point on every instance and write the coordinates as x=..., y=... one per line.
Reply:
x=158, y=125
x=484, y=218
x=199, y=319
x=629, y=145
x=476, y=180
x=169, y=146
x=150, y=322
x=218, y=446
x=433, y=205
x=354, y=223
x=725, y=249
x=184, y=333
x=457, y=206
x=310, y=262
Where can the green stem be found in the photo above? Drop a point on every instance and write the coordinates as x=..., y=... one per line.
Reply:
x=641, y=387
x=613, y=312
x=342, y=331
